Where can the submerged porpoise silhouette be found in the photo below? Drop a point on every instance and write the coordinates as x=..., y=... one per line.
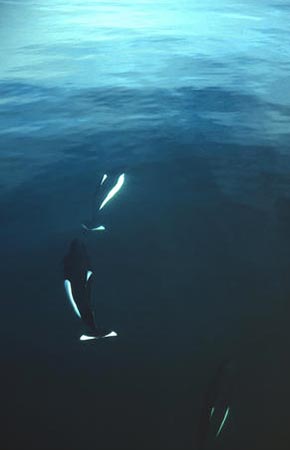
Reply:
x=216, y=404
x=78, y=276
x=106, y=190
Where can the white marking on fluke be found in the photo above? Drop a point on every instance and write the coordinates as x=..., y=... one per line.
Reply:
x=85, y=337
x=114, y=190
x=89, y=274
x=67, y=286
x=223, y=421
x=99, y=228
x=112, y=334
x=105, y=176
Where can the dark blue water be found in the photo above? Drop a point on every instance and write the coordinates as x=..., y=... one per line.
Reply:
x=192, y=101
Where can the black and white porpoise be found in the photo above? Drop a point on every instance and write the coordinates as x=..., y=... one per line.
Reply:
x=216, y=405
x=78, y=277
x=106, y=190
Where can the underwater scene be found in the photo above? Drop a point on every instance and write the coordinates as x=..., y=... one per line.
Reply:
x=145, y=224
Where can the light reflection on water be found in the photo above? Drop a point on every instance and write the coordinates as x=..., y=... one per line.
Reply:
x=95, y=68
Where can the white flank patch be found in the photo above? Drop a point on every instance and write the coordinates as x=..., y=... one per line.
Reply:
x=114, y=190
x=104, y=179
x=223, y=421
x=84, y=337
x=67, y=286
x=89, y=274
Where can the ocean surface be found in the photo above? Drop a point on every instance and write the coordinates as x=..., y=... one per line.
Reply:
x=192, y=101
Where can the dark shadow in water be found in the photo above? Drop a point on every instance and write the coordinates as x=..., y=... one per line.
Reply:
x=194, y=267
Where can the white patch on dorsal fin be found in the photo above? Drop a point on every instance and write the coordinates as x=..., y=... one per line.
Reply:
x=105, y=176
x=89, y=274
x=67, y=286
x=114, y=190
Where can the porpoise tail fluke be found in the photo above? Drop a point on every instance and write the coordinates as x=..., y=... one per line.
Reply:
x=99, y=228
x=86, y=337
